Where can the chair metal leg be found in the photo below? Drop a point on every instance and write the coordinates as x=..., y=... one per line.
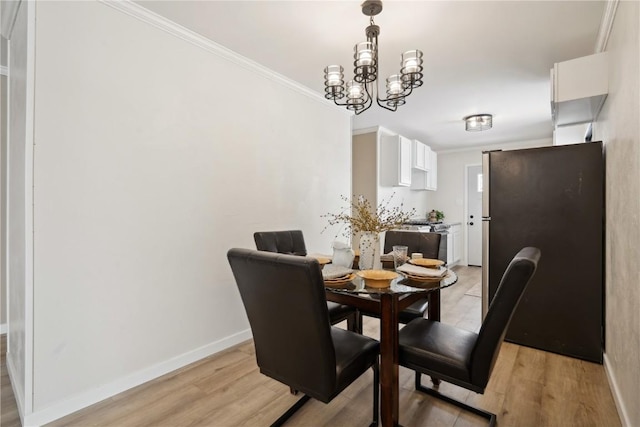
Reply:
x=435, y=393
x=376, y=394
x=284, y=417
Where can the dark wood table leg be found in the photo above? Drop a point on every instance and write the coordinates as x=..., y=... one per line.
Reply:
x=389, y=383
x=434, y=314
x=434, y=305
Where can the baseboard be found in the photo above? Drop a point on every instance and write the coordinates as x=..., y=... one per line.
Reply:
x=617, y=398
x=17, y=393
x=88, y=398
x=3, y=329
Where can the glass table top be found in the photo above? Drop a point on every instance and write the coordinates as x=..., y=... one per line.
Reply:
x=399, y=285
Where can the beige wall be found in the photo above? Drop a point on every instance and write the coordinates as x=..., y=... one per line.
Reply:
x=619, y=127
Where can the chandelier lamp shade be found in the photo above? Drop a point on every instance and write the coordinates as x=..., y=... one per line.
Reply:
x=478, y=122
x=357, y=94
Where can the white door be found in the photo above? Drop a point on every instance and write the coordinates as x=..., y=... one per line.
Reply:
x=474, y=215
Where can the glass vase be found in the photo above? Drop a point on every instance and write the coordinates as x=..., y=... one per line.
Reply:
x=369, y=251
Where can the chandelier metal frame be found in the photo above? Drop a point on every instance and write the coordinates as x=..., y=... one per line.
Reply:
x=360, y=91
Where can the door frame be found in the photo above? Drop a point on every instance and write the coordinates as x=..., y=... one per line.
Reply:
x=466, y=209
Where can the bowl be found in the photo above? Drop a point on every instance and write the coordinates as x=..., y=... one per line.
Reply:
x=377, y=278
x=427, y=262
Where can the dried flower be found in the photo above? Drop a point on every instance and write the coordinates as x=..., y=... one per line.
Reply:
x=359, y=216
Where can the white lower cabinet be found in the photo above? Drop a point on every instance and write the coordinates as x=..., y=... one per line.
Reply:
x=454, y=245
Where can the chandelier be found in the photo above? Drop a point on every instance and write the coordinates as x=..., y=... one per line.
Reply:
x=360, y=91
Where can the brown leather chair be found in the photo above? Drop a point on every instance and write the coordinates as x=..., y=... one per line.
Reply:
x=284, y=298
x=292, y=242
x=462, y=357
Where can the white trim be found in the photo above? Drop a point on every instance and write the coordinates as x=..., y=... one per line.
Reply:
x=17, y=393
x=4, y=71
x=364, y=130
x=135, y=379
x=605, y=25
x=617, y=396
x=145, y=15
x=28, y=209
x=3, y=328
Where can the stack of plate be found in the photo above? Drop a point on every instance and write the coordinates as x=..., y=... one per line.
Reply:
x=433, y=273
x=340, y=281
x=335, y=275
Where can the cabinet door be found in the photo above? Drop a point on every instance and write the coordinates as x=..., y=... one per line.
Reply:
x=405, y=162
x=432, y=183
x=419, y=155
x=457, y=243
x=395, y=161
x=450, y=260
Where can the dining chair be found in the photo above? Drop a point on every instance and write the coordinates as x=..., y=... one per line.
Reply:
x=462, y=357
x=292, y=242
x=428, y=244
x=294, y=342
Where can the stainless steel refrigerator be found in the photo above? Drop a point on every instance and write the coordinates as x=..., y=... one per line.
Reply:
x=551, y=198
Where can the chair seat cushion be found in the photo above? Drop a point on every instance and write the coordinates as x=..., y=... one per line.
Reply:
x=437, y=347
x=355, y=353
x=339, y=312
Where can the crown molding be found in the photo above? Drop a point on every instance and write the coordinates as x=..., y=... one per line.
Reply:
x=606, y=24
x=145, y=15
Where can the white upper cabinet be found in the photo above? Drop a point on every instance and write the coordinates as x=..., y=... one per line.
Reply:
x=424, y=175
x=395, y=161
x=578, y=89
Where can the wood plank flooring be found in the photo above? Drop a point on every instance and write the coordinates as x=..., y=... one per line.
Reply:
x=528, y=388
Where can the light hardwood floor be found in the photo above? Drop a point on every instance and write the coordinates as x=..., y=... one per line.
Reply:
x=528, y=388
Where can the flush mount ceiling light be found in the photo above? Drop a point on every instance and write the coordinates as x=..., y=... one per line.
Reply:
x=478, y=122
x=360, y=91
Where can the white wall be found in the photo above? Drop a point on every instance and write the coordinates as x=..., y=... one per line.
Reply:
x=619, y=127
x=450, y=196
x=153, y=157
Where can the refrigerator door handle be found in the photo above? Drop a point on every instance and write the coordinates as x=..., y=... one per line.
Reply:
x=485, y=266
x=486, y=184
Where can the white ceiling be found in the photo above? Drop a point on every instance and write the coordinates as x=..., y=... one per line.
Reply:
x=480, y=56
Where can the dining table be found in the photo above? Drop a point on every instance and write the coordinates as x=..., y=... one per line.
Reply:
x=387, y=302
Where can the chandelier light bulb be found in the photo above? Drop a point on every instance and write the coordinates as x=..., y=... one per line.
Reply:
x=333, y=79
x=394, y=85
x=411, y=65
x=364, y=54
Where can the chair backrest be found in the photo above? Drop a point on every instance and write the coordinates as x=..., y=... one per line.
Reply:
x=284, y=242
x=428, y=244
x=284, y=298
x=494, y=327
